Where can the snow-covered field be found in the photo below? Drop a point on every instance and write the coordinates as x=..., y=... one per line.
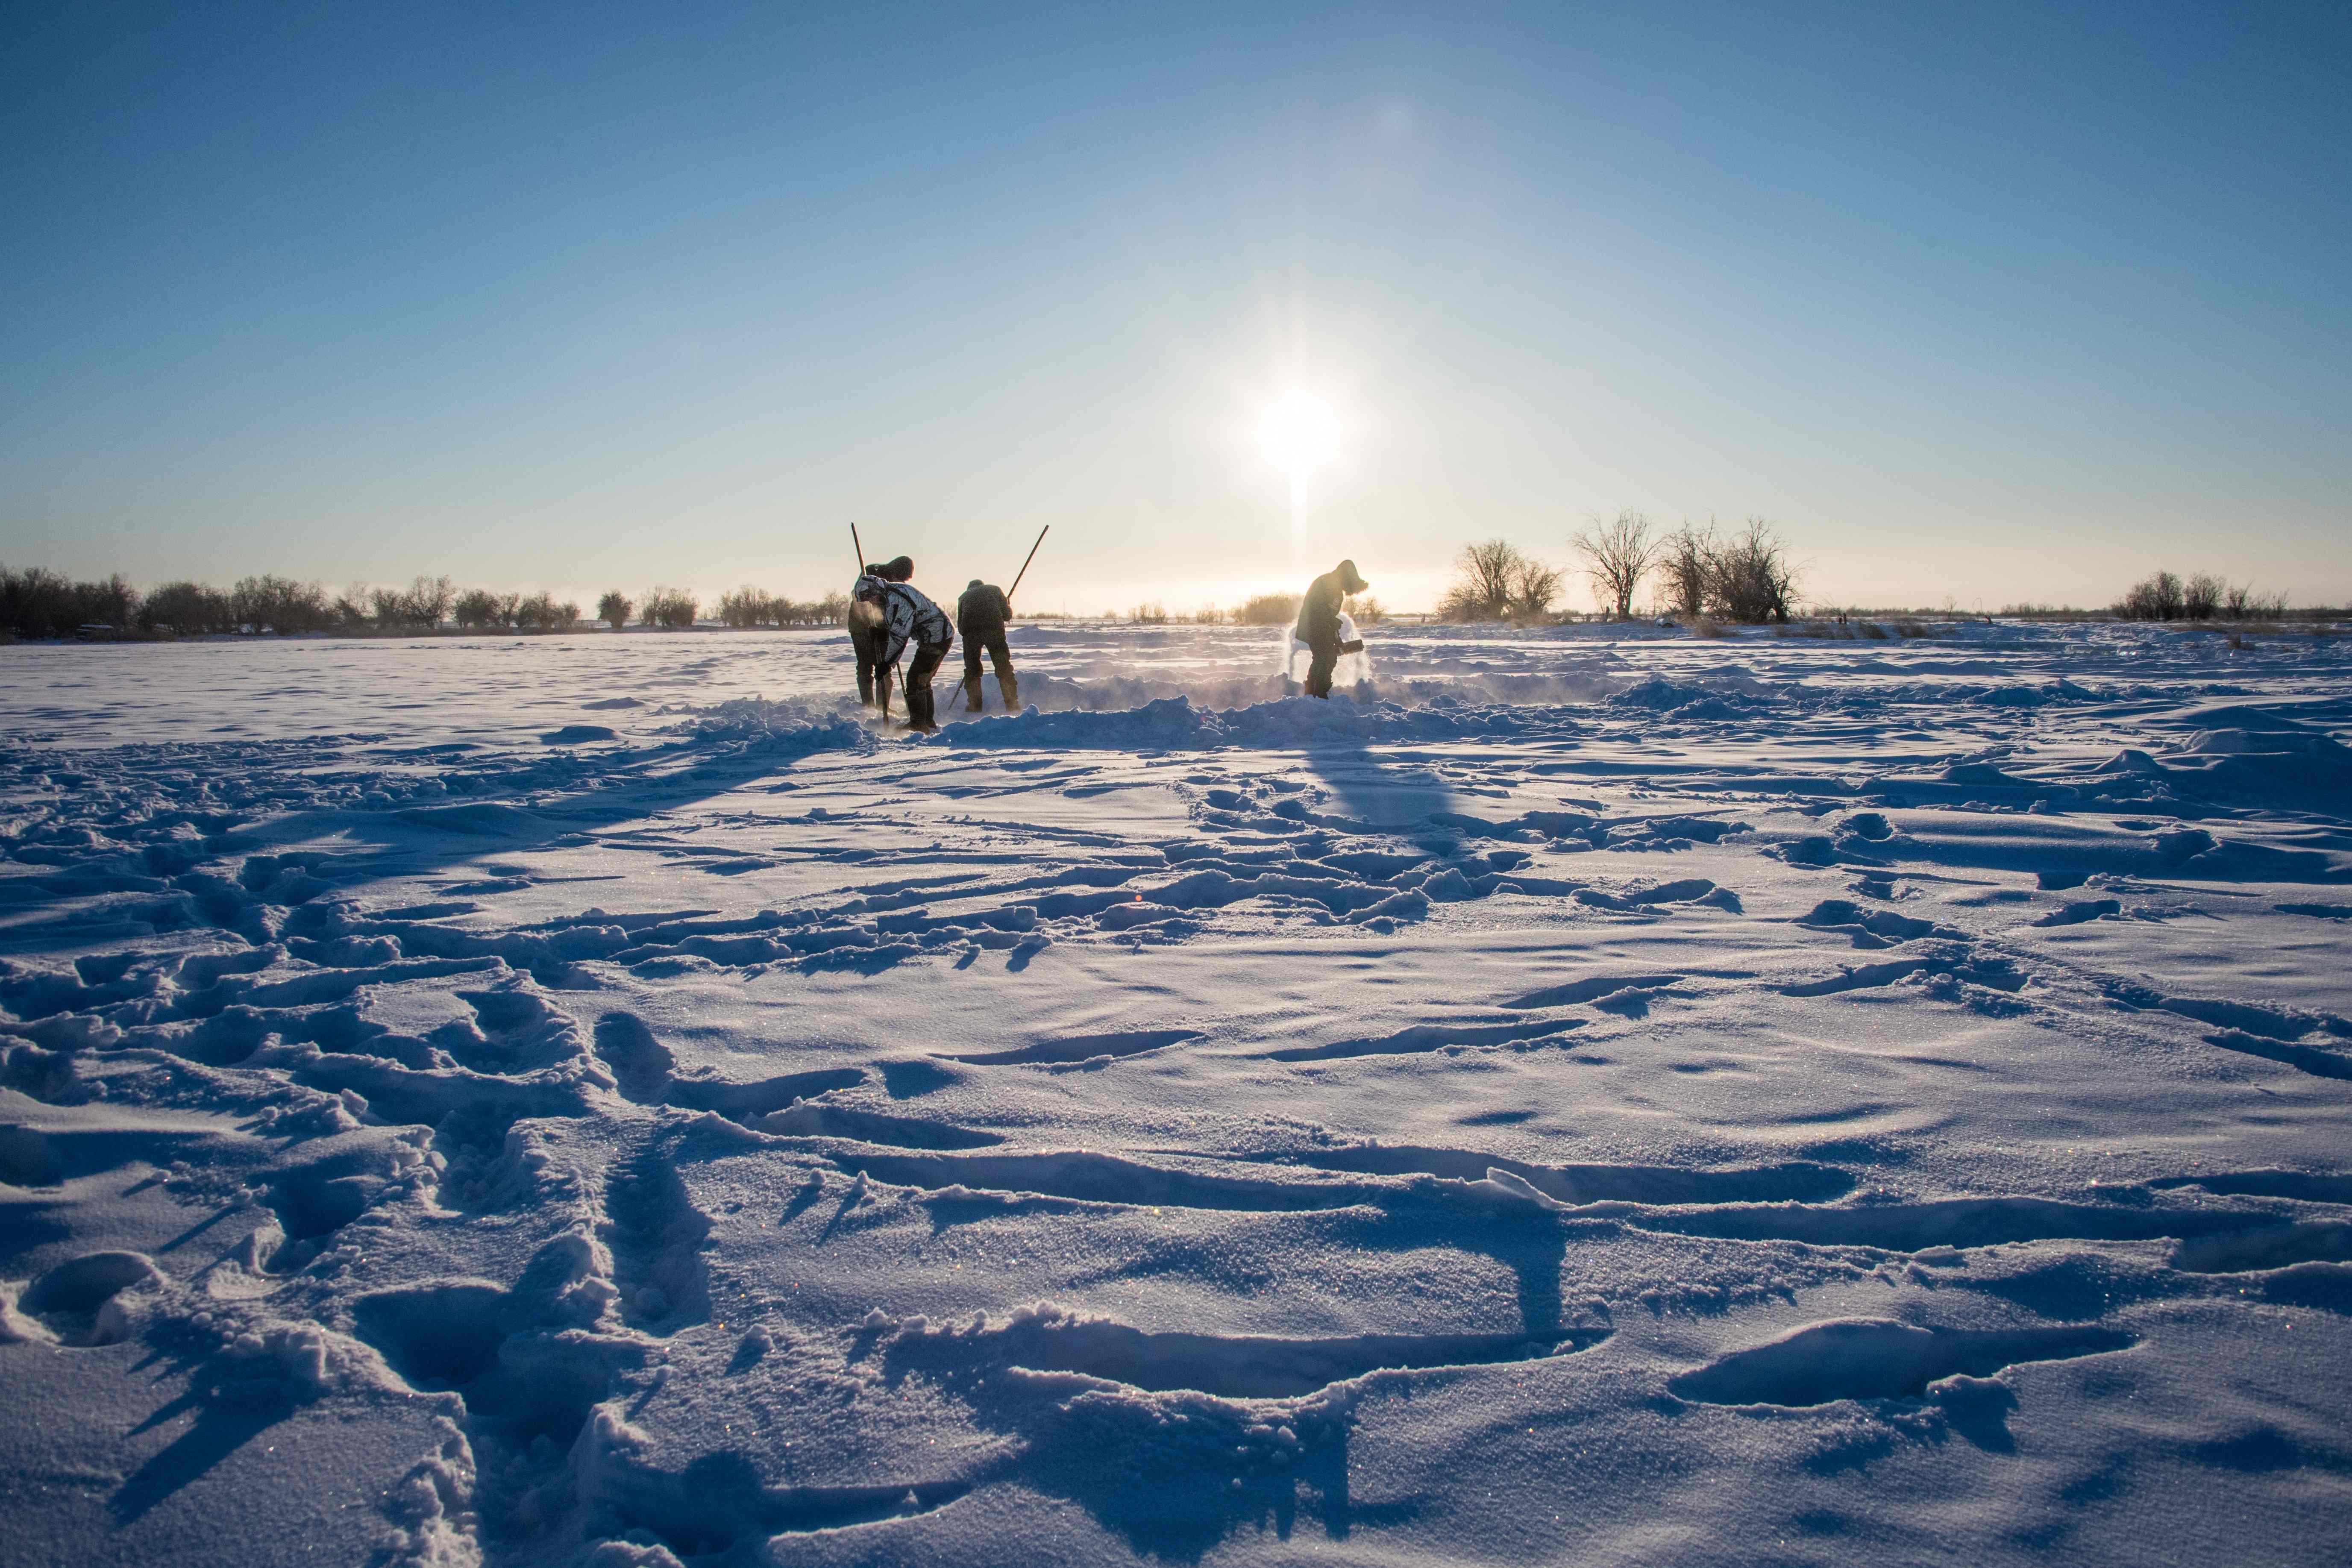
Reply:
x=1592, y=1100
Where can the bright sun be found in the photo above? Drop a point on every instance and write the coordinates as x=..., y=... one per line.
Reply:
x=1298, y=432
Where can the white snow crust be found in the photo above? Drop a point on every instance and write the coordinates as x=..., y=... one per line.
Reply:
x=1593, y=1097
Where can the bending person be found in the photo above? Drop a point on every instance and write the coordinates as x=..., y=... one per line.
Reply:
x=910, y=619
x=1318, y=624
x=981, y=617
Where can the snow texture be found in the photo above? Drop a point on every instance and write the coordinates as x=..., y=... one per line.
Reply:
x=1590, y=1096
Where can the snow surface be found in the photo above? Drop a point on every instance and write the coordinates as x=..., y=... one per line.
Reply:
x=1593, y=1097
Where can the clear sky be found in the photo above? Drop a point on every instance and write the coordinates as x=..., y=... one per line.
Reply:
x=1993, y=302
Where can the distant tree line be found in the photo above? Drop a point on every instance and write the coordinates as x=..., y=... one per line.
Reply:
x=748, y=606
x=478, y=609
x=41, y=604
x=37, y=602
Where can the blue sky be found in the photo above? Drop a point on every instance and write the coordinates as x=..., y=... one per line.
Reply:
x=1993, y=303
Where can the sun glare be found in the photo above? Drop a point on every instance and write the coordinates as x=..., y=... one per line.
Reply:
x=1298, y=433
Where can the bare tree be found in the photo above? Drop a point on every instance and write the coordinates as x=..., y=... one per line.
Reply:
x=1617, y=557
x=541, y=613
x=1686, y=557
x=749, y=606
x=476, y=609
x=2156, y=598
x=185, y=609
x=2201, y=597
x=419, y=607
x=614, y=608
x=278, y=605
x=1533, y=588
x=1484, y=577
x=1749, y=577
x=672, y=609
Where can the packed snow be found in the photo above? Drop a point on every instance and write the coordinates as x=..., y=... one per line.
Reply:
x=1595, y=1096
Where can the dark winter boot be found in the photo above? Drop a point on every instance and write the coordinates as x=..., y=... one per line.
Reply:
x=972, y=693
x=1007, y=684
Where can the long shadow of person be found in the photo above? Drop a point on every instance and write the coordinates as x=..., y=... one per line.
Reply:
x=1392, y=794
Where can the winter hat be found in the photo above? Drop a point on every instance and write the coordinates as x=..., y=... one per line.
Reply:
x=1348, y=582
x=899, y=569
x=975, y=583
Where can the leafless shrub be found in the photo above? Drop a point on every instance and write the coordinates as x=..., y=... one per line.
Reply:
x=1748, y=576
x=1487, y=576
x=1154, y=614
x=1907, y=628
x=478, y=609
x=540, y=612
x=1873, y=631
x=1685, y=558
x=1617, y=557
x=2158, y=597
x=2241, y=603
x=1269, y=610
x=426, y=601
x=2201, y=597
x=352, y=608
x=1533, y=588
x=614, y=608
x=1706, y=627
x=1365, y=610
x=673, y=609
x=749, y=606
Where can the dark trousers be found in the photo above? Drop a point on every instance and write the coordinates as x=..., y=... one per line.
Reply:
x=866, y=642
x=922, y=710
x=1000, y=656
x=1322, y=658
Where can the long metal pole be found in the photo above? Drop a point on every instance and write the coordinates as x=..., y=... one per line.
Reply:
x=1025, y=562
x=860, y=547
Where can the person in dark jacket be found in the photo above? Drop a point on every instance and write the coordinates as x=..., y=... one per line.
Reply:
x=910, y=619
x=981, y=617
x=1318, y=625
x=865, y=618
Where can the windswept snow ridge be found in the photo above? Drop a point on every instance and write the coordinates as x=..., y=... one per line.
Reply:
x=1573, y=1097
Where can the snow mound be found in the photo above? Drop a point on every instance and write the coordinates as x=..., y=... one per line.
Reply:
x=793, y=727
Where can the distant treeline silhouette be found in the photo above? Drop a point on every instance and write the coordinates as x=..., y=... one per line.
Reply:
x=37, y=603
x=748, y=606
x=1699, y=577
